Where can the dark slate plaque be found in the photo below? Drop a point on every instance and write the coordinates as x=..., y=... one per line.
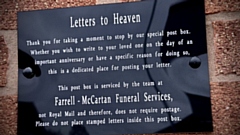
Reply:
x=127, y=68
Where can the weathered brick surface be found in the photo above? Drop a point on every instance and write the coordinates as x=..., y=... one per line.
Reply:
x=3, y=62
x=9, y=8
x=8, y=115
x=26, y=5
x=227, y=46
x=214, y=6
x=226, y=108
x=8, y=11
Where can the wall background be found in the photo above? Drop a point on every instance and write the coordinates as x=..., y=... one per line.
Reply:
x=223, y=37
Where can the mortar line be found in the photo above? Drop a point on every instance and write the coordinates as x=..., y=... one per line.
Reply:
x=223, y=16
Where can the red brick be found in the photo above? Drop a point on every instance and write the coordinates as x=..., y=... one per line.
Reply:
x=3, y=62
x=9, y=8
x=214, y=6
x=26, y=5
x=8, y=115
x=226, y=107
x=227, y=46
x=8, y=11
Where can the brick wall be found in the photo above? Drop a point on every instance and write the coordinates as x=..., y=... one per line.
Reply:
x=223, y=37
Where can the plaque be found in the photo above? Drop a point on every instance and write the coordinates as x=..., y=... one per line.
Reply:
x=126, y=68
